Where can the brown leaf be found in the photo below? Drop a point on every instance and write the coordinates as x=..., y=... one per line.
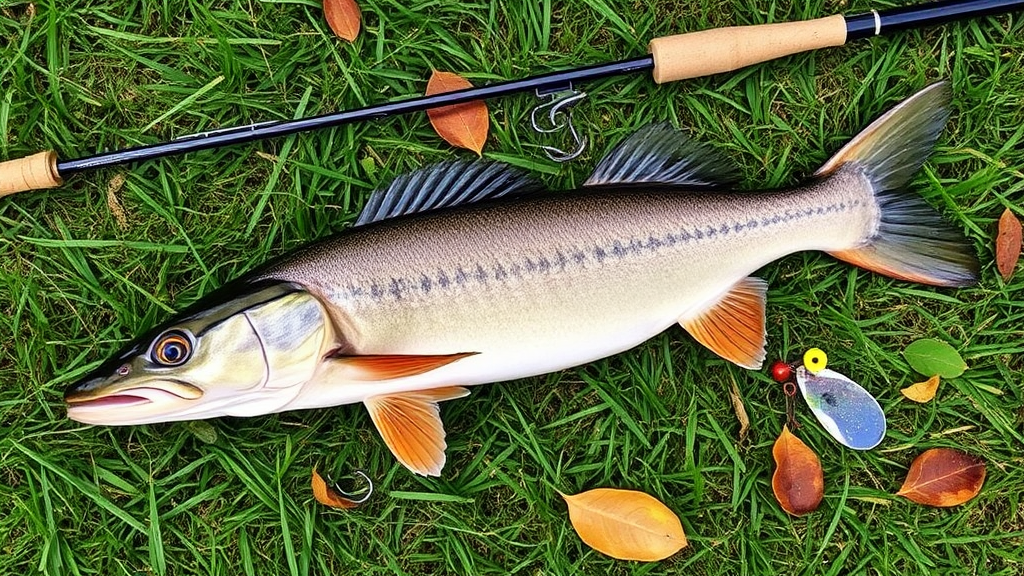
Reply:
x=626, y=524
x=922, y=391
x=798, y=482
x=329, y=496
x=344, y=17
x=740, y=409
x=1008, y=244
x=943, y=477
x=114, y=203
x=461, y=125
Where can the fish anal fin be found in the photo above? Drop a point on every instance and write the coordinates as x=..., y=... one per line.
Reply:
x=389, y=366
x=734, y=326
x=410, y=424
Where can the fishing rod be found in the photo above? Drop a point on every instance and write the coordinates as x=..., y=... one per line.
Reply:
x=670, y=58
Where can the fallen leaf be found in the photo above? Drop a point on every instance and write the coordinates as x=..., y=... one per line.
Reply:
x=943, y=477
x=1008, y=244
x=114, y=203
x=922, y=391
x=344, y=18
x=626, y=524
x=329, y=496
x=798, y=482
x=740, y=409
x=930, y=357
x=461, y=125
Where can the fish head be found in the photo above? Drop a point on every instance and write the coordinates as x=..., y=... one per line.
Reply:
x=243, y=351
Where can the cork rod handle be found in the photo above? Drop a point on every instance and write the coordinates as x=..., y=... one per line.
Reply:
x=726, y=49
x=33, y=172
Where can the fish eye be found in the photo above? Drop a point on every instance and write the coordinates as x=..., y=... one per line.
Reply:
x=172, y=348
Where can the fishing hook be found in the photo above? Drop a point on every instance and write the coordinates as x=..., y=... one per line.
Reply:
x=352, y=495
x=558, y=112
x=790, y=389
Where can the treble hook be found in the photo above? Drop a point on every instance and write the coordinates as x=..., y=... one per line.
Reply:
x=352, y=495
x=559, y=117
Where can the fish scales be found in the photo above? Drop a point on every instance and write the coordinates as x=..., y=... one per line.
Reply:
x=577, y=267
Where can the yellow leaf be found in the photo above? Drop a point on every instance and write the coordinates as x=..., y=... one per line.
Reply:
x=626, y=524
x=922, y=391
x=461, y=125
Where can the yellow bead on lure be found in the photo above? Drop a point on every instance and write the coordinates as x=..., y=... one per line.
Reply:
x=442, y=285
x=815, y=360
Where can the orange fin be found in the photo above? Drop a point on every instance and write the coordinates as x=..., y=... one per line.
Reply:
x=733, y=327
x=386, y=367
x=410, y=424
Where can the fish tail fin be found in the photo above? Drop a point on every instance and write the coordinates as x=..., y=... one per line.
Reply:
x=912, y=241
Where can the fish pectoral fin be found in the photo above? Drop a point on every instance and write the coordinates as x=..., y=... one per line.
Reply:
x=388, y=366
x=734, y=326
x=410, y=424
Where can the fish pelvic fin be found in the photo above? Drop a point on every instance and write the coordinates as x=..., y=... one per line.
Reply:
x=734, y=325
x=912, y=242
x=410, y=424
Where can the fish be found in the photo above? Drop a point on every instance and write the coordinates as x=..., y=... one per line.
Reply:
x=469, y=272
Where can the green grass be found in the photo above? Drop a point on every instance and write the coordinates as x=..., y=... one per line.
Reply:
x=90, y=75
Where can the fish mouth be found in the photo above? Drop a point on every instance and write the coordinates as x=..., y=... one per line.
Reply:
x=81, y=402
x=111, y=401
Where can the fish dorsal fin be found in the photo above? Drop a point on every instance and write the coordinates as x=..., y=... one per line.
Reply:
x=733, y=327
x=660, y=154
x=410, y=424
x=445, y=185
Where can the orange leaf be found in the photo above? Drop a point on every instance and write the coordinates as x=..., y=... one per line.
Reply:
x=1008, y=244
x=922, y=391
x=461, y=125
x=943, y=477
x=798, y=482
x=626, y=524
x=328, y=496
x=344, y=17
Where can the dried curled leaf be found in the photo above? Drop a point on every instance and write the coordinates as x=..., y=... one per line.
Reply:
x=1008, y=244
x=461, y=125
x=344, y=18
x=943, y=477
x=626, y=524
x=922, y=391
x=930, y=357
x=328, y=495
x=740, y=409
x=798, y=482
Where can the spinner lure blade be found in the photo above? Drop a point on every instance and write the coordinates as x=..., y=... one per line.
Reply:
x=846, y=410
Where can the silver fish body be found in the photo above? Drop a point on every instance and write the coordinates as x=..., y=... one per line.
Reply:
x=463, y=274
x=544, y=283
